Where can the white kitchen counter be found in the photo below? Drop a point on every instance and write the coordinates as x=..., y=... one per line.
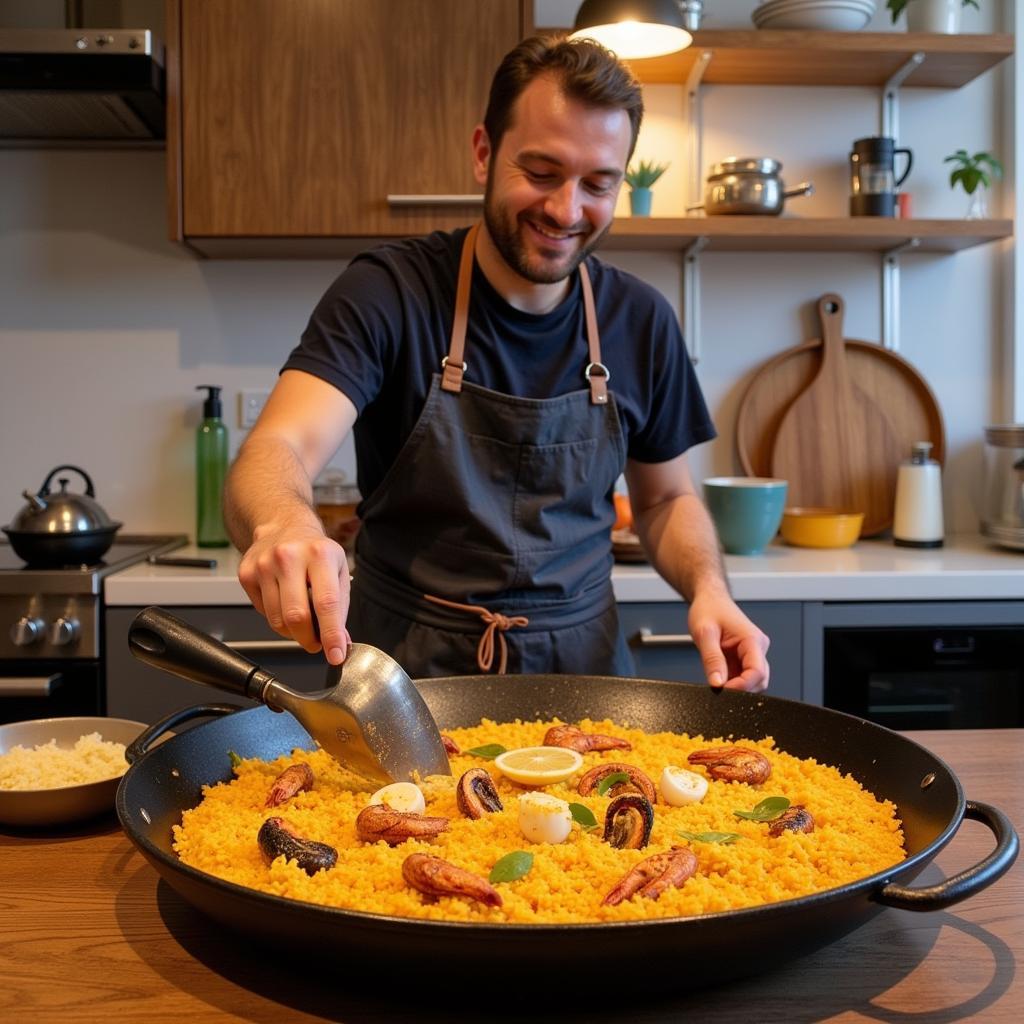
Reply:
x=967, y=568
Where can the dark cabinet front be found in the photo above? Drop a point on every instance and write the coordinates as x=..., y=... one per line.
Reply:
x=145, y=694
x=657, y=634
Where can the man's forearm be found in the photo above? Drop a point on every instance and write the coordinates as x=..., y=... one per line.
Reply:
x=267, y=484
x=679, y=538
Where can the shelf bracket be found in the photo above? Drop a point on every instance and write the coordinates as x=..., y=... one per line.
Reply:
x=695, y=129
x=891, y=293
x=691, y=297
x=890, y=96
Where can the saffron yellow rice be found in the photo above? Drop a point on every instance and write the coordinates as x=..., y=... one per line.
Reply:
x=855, y=835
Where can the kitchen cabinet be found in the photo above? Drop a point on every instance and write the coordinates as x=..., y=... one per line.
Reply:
x=655, y=631
x=662, y=649
x=297, y=120
x=289, y=125
x=144, y=694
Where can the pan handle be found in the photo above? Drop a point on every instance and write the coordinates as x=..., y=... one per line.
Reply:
x=969, y=881
x=139, y=747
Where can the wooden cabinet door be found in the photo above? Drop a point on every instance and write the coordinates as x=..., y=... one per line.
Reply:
x=299, y=118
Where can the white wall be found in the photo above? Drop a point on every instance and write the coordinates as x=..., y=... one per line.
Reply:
x=106, y=328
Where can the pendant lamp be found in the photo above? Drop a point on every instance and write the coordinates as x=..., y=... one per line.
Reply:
x=633, y=28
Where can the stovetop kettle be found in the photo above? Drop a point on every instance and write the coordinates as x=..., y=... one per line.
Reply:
x=66, y=528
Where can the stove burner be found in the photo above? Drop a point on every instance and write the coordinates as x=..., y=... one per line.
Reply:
x=19, y=578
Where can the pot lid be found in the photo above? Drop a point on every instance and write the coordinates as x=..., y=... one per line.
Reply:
x=1005, y=435
x=63, y=513
x=745, y=165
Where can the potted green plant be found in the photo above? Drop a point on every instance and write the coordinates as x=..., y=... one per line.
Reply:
x=640, y=178
x=970, y=172
x=931, y=15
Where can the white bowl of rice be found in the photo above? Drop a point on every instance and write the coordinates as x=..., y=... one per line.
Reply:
x=58, y=770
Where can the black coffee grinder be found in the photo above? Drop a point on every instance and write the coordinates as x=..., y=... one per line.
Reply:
x=873, y=181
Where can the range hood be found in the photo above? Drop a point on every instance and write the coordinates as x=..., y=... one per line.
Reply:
x=81, y=86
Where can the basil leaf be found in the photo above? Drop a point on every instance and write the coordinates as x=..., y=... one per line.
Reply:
x=611, y=780
x=488, y=751
x=511, y=866
x=583, y=815
x=235, y=759
x=710, y=837
x=769, y=808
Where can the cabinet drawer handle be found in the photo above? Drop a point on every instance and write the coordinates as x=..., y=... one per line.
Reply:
x=434, y=200
x=263, y=646
x=28, y=686
x=645, y=638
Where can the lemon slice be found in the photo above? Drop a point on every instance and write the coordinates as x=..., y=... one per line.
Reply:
x=538, y=766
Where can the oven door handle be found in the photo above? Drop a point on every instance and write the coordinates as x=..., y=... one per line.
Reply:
x=29, y=686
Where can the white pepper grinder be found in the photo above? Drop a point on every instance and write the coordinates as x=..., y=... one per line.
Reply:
x=917, y=522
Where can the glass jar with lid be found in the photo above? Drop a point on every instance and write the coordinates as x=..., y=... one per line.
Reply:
x=1002, y=517
x=336, y=502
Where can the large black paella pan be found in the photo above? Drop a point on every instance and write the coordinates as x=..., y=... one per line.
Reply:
x=167, y=779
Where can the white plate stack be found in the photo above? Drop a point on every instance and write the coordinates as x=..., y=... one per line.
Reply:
x=825, y=15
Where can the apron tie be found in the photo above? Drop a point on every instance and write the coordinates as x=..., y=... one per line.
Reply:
x=496, y=623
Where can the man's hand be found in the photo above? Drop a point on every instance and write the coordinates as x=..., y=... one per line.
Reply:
x=291, y=572
x=732, y=648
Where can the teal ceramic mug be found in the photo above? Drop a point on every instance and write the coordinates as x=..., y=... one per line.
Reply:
x=747, y=510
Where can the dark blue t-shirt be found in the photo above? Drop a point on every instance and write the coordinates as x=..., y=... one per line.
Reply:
x=382, y=328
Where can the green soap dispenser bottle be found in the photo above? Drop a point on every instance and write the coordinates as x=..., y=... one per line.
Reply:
x=211, y=469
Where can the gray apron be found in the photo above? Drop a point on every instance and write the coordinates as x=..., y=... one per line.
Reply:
x=487, y=544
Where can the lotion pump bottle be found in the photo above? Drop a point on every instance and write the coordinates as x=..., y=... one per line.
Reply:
x=917, y=522
x=211, y=469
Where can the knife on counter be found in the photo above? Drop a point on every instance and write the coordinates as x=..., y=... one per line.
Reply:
x=185, y=563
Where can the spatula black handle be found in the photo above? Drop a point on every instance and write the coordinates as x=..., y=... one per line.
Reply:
x=166, y=642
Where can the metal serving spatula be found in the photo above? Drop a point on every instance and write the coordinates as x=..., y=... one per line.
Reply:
x=374, y=721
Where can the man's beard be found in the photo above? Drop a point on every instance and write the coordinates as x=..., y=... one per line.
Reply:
x=505, y=233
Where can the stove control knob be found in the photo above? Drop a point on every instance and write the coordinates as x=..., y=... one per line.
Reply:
x=26, y=631
x=63, y=631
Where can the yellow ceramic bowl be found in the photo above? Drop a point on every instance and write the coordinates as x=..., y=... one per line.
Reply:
x=820, y=527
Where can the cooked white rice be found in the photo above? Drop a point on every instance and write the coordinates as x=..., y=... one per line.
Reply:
x=91, y=759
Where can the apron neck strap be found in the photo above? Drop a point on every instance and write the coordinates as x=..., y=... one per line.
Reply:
x=596, y=372
x=454, y=365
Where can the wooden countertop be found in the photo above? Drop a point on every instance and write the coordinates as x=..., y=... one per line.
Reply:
x=88, y=933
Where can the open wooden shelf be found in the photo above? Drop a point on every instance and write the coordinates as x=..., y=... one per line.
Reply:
x=673, y=234
x=804, y=57
x=802, y=234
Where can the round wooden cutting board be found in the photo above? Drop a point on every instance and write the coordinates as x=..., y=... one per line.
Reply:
x=886, y=378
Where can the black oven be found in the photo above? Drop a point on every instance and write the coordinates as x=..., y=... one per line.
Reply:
x=927, y=677
x=50, y=689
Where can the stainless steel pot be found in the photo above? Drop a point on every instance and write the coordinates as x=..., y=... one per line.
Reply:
x=61, y=529
x=748, y=185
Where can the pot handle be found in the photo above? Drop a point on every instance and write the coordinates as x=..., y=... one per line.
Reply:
x=45, y=489
x=139, y=747
x=969, y=881
x=805, y=188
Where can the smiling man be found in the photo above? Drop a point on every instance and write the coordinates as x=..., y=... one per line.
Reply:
x=498, y=380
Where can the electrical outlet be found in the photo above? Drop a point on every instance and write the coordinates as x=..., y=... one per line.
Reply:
x=250, y=405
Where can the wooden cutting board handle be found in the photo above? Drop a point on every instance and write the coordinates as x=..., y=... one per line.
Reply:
x=835, y=445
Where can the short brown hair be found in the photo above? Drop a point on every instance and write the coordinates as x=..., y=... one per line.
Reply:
x=585, y=70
